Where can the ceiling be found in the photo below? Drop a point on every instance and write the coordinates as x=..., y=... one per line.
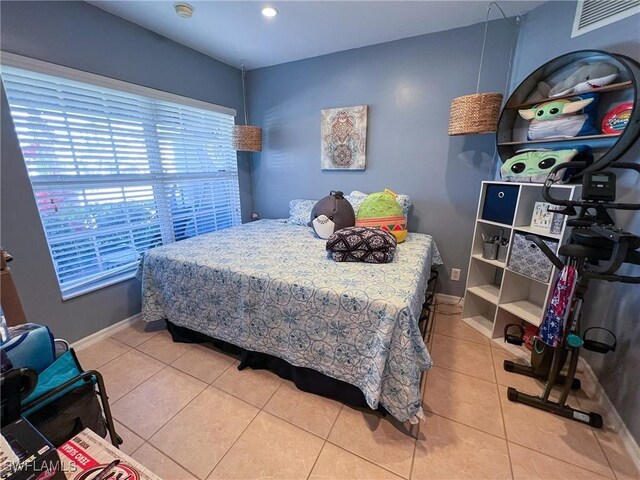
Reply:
x=235, y=32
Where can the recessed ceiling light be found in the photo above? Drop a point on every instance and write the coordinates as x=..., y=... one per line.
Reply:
x=183, y=10
x=269, y=12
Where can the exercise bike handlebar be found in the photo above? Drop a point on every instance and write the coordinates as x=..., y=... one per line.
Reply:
x=618, y=256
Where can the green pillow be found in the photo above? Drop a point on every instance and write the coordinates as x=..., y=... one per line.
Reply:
x=380, y=204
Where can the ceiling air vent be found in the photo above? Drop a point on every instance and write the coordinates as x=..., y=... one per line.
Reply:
x=592, y=14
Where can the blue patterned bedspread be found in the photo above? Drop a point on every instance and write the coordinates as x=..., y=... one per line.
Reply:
x=268, y=286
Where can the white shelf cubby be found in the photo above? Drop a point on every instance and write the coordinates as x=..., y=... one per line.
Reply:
x=495, y=295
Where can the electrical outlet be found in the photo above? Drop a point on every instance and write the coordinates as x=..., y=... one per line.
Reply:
x=455, y=274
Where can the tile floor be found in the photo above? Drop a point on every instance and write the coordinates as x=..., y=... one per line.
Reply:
x=186, y=412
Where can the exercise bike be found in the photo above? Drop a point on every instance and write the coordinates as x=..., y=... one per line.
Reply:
x=597, y=249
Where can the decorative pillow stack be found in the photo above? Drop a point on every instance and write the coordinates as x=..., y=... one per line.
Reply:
x=360, y=244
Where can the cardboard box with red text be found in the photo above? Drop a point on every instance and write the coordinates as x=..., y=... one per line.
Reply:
x=87, y=455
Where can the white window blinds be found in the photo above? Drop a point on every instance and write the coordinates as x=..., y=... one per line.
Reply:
x=116, y=173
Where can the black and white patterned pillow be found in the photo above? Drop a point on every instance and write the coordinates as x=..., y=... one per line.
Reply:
x=362, y=244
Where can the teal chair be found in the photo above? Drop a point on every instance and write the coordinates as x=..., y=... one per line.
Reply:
x=34, y=388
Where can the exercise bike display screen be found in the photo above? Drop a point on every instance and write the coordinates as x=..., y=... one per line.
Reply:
x=600, y=186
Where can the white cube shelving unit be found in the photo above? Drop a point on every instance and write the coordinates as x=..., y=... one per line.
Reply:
x=496, y=295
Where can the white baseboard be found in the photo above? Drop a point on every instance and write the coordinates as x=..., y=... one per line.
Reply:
x=610, y=413
x=451, y=299
x=104, y=333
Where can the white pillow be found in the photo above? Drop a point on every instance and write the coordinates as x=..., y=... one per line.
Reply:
x=300, y=211
x=356, y=198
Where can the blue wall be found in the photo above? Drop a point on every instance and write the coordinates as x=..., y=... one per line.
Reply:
x=408, y=85
x=81, y=36
x=546, y=34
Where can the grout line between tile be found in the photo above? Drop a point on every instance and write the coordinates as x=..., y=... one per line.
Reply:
x=465, y=374
x=382, y=418
x=153, y=334
x=316, y=460
x=545, y=453
x=135, y=386
x=222, y=373
x=613, y=477
x=244, y=430
x=172, y=459
x=604, y=453
x=199, y=379
x=162, y=361
x=325, y=440
x=468, y=426
x=595, y=434
x=173, y=416
x=90, y=347
x=141, y=445
x=367, y=460
x=287, y=421
x=504, y=422
x=245, y=401
x=177, y=413
x=108, y=361
x=463, y=339
x=415, y=446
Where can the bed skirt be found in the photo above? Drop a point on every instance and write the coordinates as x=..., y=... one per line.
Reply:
x=305, y=379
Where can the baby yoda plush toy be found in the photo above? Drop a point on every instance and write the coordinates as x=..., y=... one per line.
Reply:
x=557, y=119
x=586, y=78
x=534, y=165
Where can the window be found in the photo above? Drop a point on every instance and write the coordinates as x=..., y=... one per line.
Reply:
x=117, y=169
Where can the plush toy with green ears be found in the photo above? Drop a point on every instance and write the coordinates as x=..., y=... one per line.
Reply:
x=533, y=166
x=560, y=118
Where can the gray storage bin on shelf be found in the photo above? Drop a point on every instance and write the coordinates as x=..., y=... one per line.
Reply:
x=527, y=259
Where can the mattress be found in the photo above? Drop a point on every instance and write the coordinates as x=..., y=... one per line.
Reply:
x=269, y=286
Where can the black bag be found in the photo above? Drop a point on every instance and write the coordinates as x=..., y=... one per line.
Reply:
x=68, y=415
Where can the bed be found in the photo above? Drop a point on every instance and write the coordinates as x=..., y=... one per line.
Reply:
x=268, y=286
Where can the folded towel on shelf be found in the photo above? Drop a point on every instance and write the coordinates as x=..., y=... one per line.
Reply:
x=362, y=244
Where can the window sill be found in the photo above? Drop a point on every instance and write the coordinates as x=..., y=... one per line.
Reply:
x=85, y=289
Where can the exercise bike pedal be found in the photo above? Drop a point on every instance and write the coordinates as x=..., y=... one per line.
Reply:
x=598, y=346
x=595, y=346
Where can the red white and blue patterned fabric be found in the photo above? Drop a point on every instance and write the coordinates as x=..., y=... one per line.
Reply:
x=553, y=325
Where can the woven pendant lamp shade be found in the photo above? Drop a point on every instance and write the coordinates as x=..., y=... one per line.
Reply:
x=475, y=114
x=247, y=138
